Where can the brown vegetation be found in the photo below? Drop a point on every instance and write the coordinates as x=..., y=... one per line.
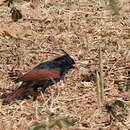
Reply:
x=78, y=27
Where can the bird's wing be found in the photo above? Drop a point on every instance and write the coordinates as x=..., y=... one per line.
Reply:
x=39, y=74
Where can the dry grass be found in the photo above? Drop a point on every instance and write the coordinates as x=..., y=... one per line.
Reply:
x=78, y=27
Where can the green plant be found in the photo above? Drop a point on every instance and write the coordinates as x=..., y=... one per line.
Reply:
x=100, y=79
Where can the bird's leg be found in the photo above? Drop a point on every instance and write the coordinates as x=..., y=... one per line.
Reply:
x=53, y=80
x=45, y=92
x=35, y=93
x=35, y=96
x=56, y=87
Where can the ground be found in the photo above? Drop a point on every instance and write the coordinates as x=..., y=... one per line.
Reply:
x=79, y=27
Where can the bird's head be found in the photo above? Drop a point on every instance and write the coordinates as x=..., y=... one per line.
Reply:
x=68, y=59
x=65, y=61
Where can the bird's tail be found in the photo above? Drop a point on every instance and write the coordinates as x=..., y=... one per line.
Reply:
x=13, y=95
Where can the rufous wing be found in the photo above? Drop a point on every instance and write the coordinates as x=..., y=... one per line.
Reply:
x=41, y=74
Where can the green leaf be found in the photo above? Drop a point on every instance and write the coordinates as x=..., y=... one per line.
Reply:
x=114, y=4
x=61, y=123
x=128, y=105
x=16, y=14
x=36, y=126
x=120, y=103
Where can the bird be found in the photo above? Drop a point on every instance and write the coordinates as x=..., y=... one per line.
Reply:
x=43, y=75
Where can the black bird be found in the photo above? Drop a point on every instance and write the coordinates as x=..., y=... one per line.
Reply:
x=43, y=75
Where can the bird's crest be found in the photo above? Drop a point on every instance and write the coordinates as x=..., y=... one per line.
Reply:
x=68, y=58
